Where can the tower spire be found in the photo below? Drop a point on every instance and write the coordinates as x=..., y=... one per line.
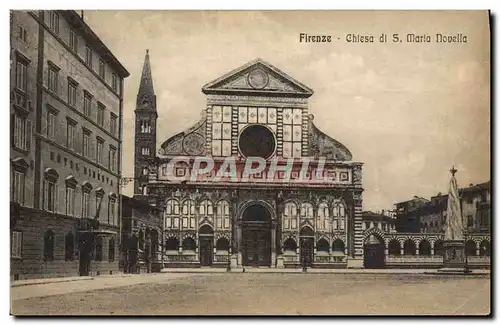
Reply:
x=146, y=85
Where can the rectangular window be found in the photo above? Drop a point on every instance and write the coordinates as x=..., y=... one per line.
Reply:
x=112, y=124
x=100, y=145
x=21, y=75
x=102, y=69
x=192, y=222
x=100, y=114
x=73, y=40
x=88, y=56
x=169, y=222
x=22, y=133
x=98, y=202
x=70, y=136
x=184, y=222
x=23, y=34
x=176, y=222
x=70, y=201
x=85, y=205
x=112, y=211
x=86, y=144
x=114, y=82
x=54, y=22
x=71, y=93
x=53, y=79
x=18, y=187
x=50, y=196
x=470, y=221
x=145, y=151
x=87, y=104
x=112, y=159
x=145, y=127
x=51, y=125
x=226, y=223
x=16, y=244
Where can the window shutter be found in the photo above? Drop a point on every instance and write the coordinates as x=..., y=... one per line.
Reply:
x=13, y=129
x=45, y=196
x=56, y=203
x=62, y=91
x=46, y=75
x=78, y=140
x=92, y=149
x=28, y=131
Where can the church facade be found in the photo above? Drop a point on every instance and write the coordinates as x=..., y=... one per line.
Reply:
x=254, y=182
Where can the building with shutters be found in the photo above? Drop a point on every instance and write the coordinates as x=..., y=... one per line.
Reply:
x=66, y=113
x=284, y=218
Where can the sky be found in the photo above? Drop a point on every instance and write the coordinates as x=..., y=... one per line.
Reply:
x=408, y=111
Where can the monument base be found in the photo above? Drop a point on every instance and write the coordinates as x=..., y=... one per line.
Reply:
x=454, y=257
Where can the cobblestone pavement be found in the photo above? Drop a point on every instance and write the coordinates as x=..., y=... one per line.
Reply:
x=264, y=294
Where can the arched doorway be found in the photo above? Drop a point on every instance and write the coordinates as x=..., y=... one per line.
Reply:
x=256, y=236
x=206, y=236
x=374, y=252
x=306, y=246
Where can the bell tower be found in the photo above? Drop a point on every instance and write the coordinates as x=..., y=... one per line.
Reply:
x=145, y=128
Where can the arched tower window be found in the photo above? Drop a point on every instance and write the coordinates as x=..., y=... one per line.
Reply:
x=188, y=214
x=290, y=216
x=206, y=208
x=223, y=220
x=339, y=217
x=306, y=210
x=172, y=212
x=323, y=217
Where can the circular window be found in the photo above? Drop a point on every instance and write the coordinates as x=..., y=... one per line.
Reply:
x=257, y=141
x=258, y=79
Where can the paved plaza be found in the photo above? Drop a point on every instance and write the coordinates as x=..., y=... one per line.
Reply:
x=258, y=294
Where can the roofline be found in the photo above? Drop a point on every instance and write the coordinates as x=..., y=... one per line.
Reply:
x=76, y=21
x=308, y=91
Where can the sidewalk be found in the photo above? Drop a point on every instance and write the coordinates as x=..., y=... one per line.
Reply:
x=312, y=270
x=55, y=286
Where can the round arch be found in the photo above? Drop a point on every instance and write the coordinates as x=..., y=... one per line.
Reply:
x=394, y=247
x=374, y=249
x=470, y=247
x=424, y=247
x=409, y=247
x=306, y=231
x=245, y=206
x=257, y=233
x=290, y=245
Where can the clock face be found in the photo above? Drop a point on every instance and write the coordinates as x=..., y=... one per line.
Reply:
x=258, y=79
x=145, y=104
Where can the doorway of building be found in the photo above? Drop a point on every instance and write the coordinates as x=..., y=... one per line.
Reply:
x=374, y=252
x=85, y=247
x=206, y=236
x=256, y=236
x=306, y=246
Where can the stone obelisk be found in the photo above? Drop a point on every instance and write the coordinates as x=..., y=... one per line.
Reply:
x=454, y=246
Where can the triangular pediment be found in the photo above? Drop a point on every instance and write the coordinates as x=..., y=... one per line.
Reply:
x=257, y=77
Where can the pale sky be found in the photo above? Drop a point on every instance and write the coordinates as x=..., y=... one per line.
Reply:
x=408, y=111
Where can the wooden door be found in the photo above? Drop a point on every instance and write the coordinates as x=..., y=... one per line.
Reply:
x=306, y=251
x=206, y=250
